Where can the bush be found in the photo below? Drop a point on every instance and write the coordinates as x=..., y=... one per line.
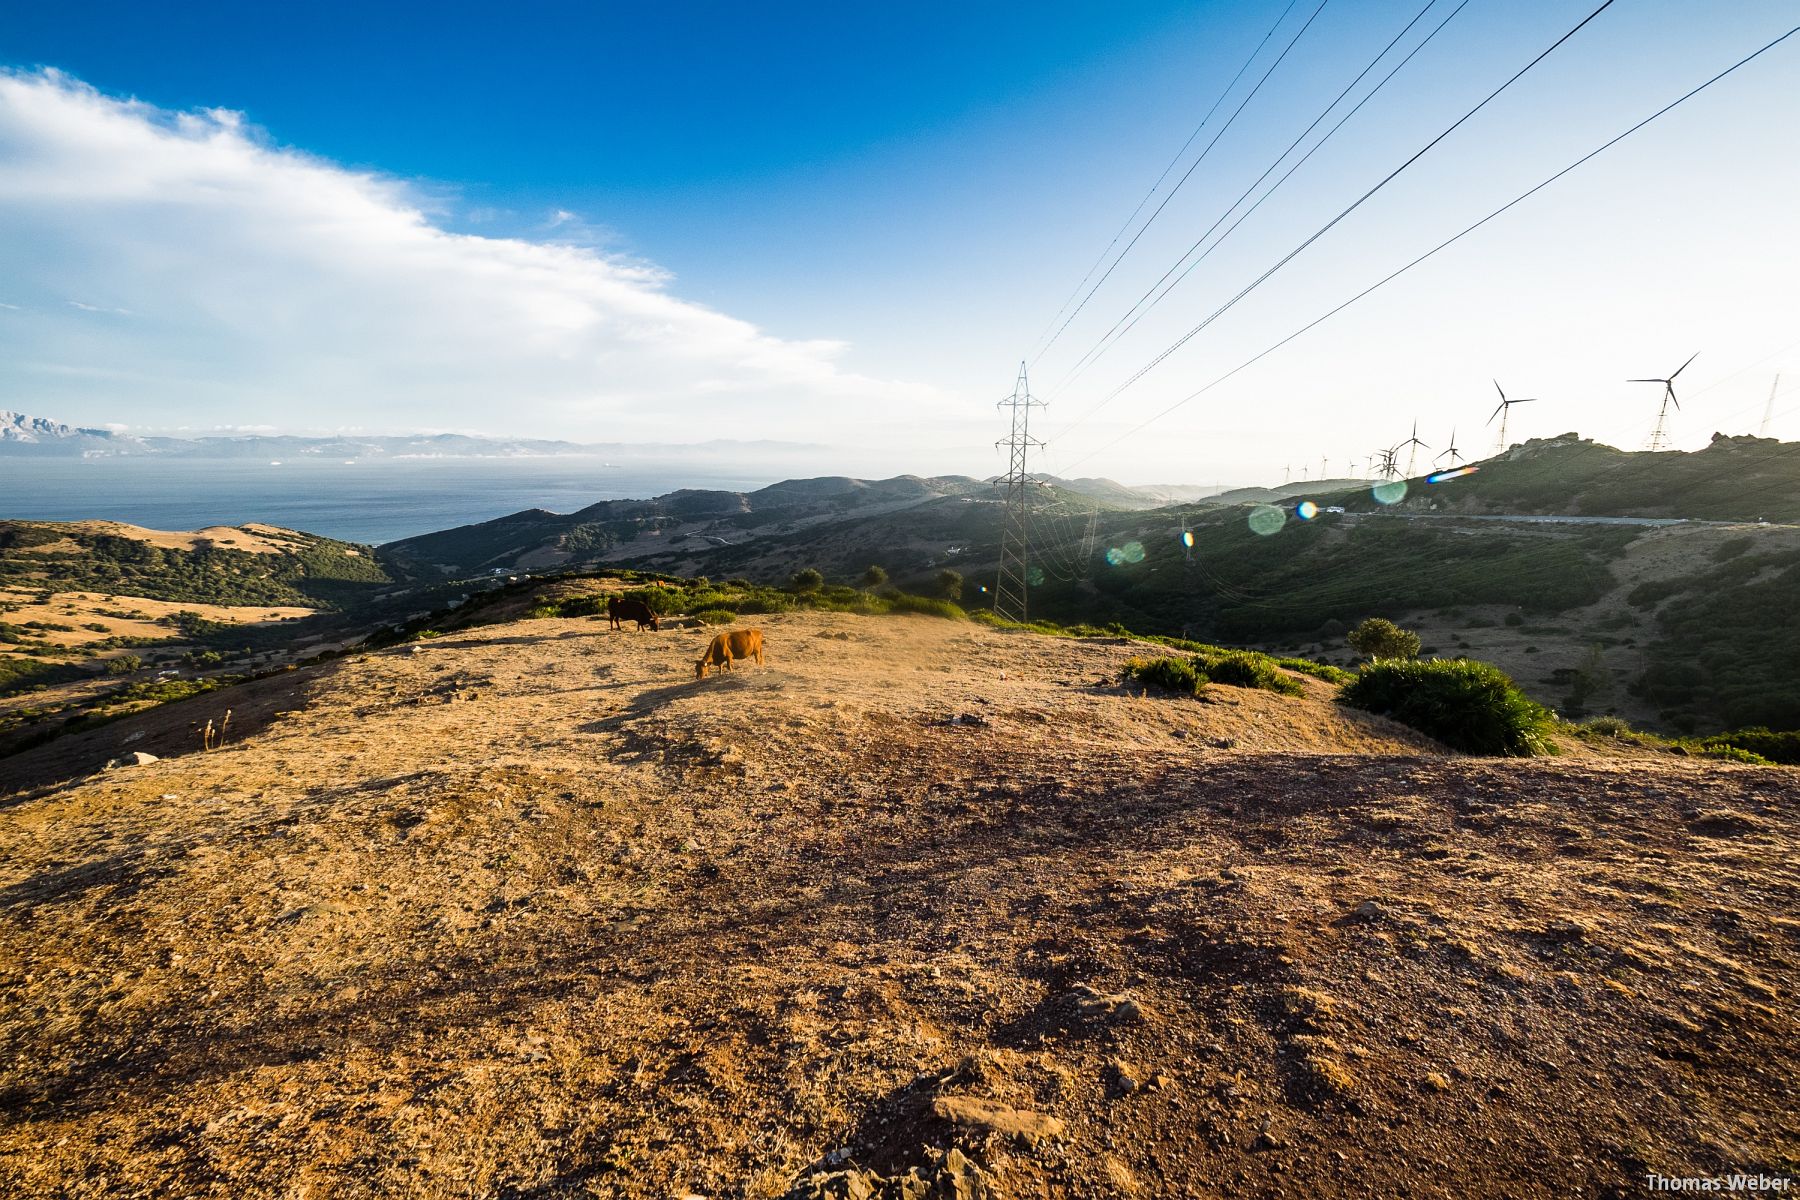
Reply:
x=715, y=616
x=124, y=664
x=1612, y=727
x=874, y=577
x=1514, y=619
x=1772, y=747
x=1379, y=638
x=1469, y=706
x=806, y=580
x=950, y=584
x=1182, y=675
x=1246, y=668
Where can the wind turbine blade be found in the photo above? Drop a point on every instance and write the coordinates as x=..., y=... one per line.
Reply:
x=1646, y=381
x=1496, y=411
x=1501, y=390
x=1684, y=366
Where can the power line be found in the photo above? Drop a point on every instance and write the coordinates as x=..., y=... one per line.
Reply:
x=1356, y=204
x=1120, y=327
x=1446, y=243
x=1035, y=351
x=1192, y=167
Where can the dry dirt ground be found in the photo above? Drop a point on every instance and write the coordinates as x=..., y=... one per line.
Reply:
x=916, y=908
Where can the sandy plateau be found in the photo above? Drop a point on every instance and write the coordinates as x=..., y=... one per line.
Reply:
x=916, y=909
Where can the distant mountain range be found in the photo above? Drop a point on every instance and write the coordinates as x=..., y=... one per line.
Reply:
x=27, y=436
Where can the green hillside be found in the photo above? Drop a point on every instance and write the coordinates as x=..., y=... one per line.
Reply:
x=299, y=569
x=1732, y=479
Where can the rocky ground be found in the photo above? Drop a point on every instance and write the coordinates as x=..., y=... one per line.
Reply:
x=915, y=909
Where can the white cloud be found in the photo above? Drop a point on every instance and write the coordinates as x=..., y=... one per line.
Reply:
x=268, y=286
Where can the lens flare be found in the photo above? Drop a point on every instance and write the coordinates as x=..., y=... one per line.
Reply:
x=1458, y=473
x=1391, y=491
x=1306, y=510
x=1187, y=538
x=1035, y=577
x=1133, y=551
x=1266, y=520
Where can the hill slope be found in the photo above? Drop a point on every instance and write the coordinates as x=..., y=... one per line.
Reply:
x=525, y=910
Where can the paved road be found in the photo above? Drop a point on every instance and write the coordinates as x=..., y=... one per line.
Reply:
x=1560, y=520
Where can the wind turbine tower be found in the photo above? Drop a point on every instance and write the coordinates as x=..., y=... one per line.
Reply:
x=1659, y=437
x=1769, y=408
x=1453, y=454
x=1413, y=454
x=1502, y=410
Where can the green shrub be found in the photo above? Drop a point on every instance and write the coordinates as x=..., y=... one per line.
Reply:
x=805, y=580
x=950, y=584
x=1181, y=675
x=1467, y=705
x=715, y=616
x=124, y=664
x=1380, y=638
x=874, y=577
x=1612, y=727
x=1771, y=747
x=1246, y=668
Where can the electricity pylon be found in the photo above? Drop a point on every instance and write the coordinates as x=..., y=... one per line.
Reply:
x=1014, y=577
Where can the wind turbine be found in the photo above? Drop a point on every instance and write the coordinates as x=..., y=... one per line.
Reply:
x=1659, y=437
x=1453, y=454
x=1387, y=458
x=1416, y=445
x=1503, y=410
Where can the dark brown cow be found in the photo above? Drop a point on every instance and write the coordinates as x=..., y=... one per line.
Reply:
x=620, y=611
x=740, y=643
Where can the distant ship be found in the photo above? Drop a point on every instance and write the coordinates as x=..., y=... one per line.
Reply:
x=274, y=462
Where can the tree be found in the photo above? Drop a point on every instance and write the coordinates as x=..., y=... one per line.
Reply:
x=874, y=577
x=124, y=664
x=807, y=580
x=1379, y=637
x=950, y=583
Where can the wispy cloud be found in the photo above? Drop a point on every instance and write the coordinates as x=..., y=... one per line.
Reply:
x=286, y=289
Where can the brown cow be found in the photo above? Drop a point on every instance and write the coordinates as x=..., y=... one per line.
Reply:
x=740, y=643
x=620, y=611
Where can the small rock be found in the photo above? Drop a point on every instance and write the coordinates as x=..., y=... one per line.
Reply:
x=1370, y=910
x=1125, y=1076
x=137, y=758
x=1026, y=1126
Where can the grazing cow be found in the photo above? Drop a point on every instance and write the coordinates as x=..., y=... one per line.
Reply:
x=740, y=643
x=620, y=611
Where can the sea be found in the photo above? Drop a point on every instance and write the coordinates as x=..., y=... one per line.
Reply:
x=366, y=500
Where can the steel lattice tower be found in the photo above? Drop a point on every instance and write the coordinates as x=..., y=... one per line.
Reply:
x=1013, y=580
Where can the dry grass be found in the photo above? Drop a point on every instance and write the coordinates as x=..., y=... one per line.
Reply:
x=524, y=910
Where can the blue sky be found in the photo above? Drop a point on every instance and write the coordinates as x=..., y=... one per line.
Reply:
x=847, y=223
